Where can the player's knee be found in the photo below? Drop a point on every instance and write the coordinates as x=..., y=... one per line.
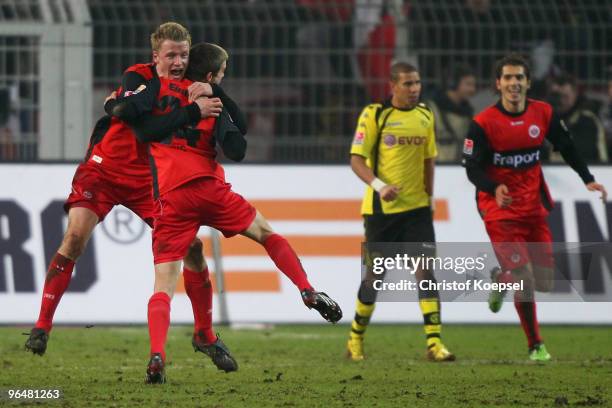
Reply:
x=544, y=285
x=259, y=230
x=195, y=256
x=524, y=275
x=544, y=278
x=367, y=293
x=73, y=244
x=424, y=274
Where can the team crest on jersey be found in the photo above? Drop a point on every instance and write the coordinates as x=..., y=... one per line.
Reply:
x=358, y=139
x=468, y=147
x=534, y=131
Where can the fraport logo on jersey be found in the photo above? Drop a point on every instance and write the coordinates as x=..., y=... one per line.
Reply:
x=392, y=140
x=358, y=139
x=534, y=131
x=468, y=147
x=516, y=160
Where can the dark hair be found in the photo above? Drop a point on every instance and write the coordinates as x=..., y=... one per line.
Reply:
x=205, y=58
x=399, y=67
x=515, y=60
x=565, y=79
x=453, y=76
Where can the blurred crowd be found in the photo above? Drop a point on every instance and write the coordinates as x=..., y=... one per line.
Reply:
x=376, y=32
x=303, y=69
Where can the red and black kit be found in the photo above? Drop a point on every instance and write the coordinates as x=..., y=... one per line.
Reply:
x=505, y=148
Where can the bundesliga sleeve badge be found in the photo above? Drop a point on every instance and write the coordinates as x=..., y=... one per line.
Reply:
x=358, y=139
x=468, y=147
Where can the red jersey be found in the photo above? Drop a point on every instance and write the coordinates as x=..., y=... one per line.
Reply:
x=113, y=145
x=505, y=148
x=187, y=153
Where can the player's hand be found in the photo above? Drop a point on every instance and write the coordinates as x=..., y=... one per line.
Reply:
x=502, y=197
x=113, y=95
x=593, y=186
x=209, y=107
x=198, y=89
x=389, y=192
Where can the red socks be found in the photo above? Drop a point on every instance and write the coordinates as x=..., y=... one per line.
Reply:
x=56, y=283
x=286, y=260
x=529, y=321
x=159, y=322
x=200, y=292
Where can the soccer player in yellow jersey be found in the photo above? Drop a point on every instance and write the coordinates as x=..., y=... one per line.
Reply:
x=393, y=152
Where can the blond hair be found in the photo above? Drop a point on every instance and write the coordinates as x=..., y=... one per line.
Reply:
x=169, y=31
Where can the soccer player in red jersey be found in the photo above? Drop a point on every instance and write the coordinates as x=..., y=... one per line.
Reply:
x=190, y=191
x=502, y=157
x=115, y=171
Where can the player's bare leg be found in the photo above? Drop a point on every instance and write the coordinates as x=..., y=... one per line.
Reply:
x=429, y=301
x=287, y=261
x=544, y=278
x=194, y=260
x=524, y=302
x=81, y=223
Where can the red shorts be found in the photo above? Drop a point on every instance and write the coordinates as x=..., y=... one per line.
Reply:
x=95, y=188
x=519, y=242
x=202, y=201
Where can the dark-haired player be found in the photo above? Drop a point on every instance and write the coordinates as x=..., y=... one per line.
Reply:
x=393, y=152
x=502, y=157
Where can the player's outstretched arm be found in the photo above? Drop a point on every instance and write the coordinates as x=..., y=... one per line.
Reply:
x=593, y=186
x=559, y=136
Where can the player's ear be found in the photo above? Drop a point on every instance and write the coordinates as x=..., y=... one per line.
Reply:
x=209, y=77
x=497, y=85
x=155, y=57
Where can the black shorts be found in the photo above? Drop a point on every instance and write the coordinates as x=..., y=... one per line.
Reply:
x=414, y=226
x=410, y=226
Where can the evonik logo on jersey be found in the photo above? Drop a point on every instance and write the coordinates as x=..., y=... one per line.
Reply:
x=517, y=160
x=392, y=140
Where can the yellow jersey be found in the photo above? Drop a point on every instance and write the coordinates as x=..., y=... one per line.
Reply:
x=397, y=153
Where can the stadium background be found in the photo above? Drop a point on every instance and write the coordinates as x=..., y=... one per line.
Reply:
x=301, y=70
